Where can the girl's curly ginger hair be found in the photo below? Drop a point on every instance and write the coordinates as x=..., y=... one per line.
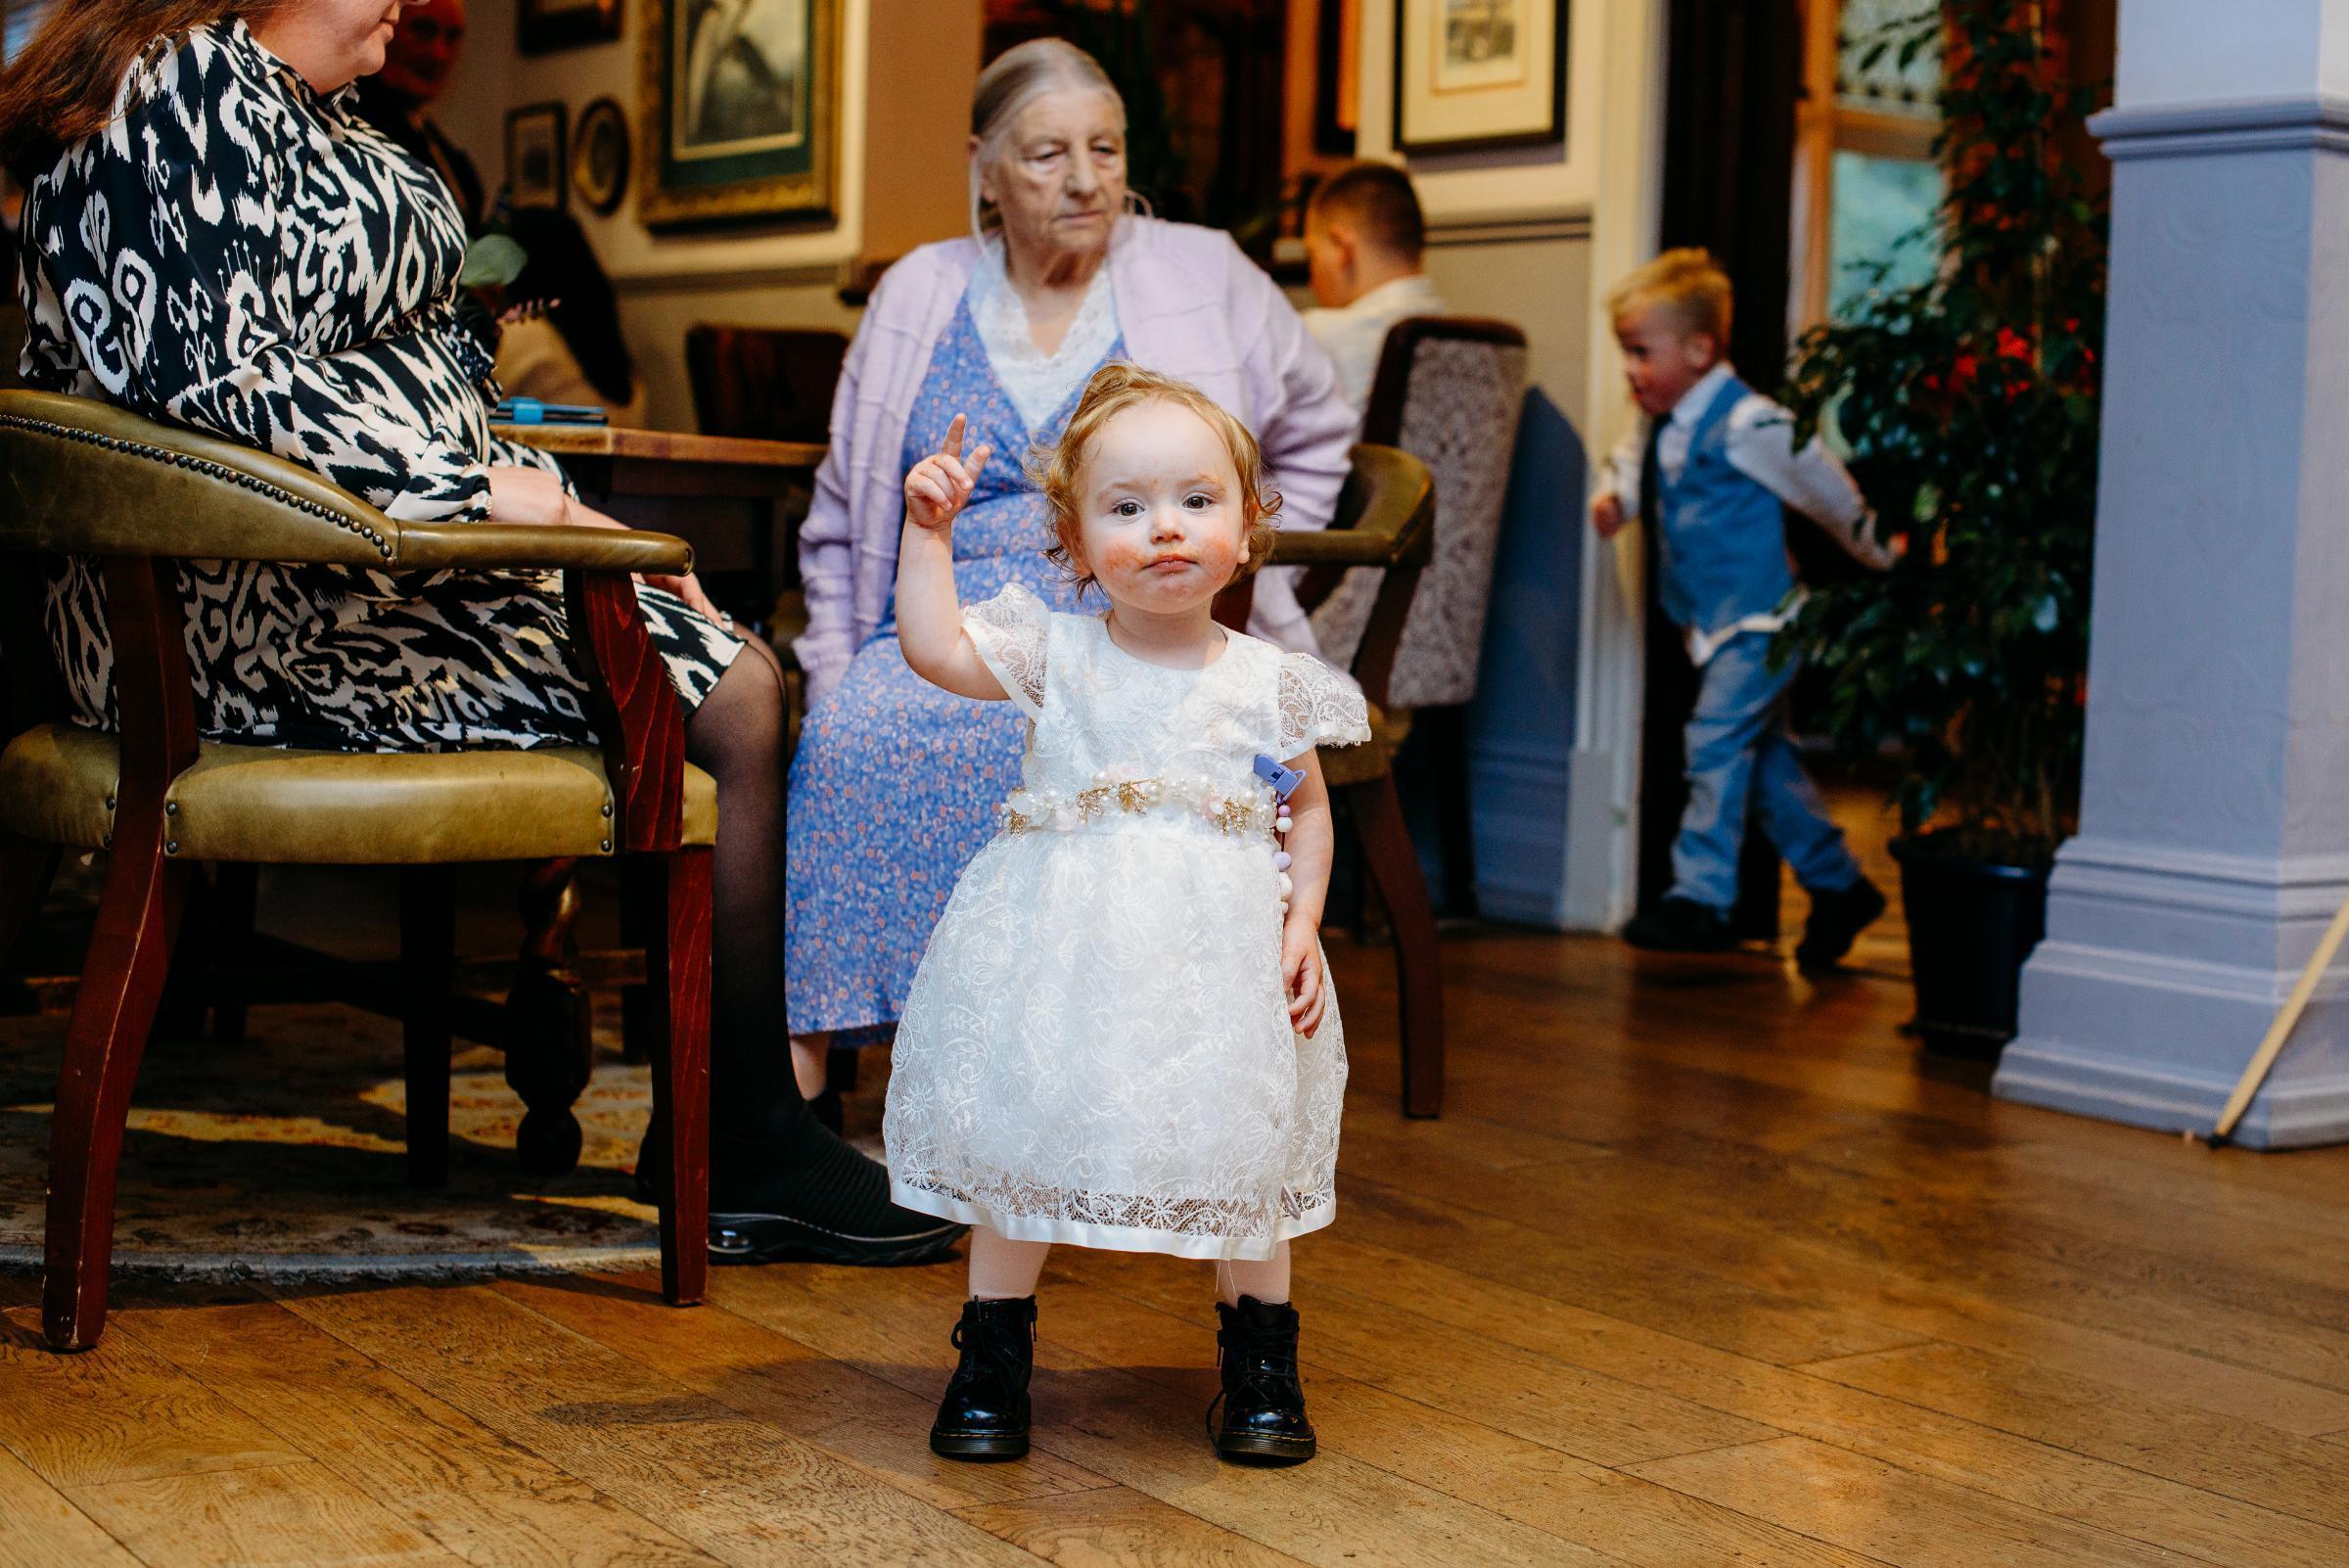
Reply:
x=1116, y=387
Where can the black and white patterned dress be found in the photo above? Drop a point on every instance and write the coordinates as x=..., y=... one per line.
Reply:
x=237, y=255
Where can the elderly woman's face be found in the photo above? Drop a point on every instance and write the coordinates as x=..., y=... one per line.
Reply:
x=1060, y=181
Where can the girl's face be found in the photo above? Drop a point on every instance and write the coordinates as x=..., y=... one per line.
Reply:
x=1160, y=524
x=1060, y=181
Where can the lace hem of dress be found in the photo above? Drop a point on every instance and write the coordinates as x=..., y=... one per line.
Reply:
x=1182, y=1227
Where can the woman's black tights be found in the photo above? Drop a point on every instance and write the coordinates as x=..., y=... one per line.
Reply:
x=736, y=736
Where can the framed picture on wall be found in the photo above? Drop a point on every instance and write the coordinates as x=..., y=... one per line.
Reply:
x=535, y=172
x=1477, y=75
x=741, y=111
x=543, y=24
x=599, y=156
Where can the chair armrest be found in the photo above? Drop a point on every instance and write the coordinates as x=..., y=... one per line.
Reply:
x=497, y=546
x=1339, y=547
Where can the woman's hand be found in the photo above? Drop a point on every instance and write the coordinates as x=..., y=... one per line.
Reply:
x=1301, y=973
x=521, y=493
x=689, y=588
x=940, y=485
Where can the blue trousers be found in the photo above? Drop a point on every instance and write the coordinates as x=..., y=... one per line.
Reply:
x=1739, y=752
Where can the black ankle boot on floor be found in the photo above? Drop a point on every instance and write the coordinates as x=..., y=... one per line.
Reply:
x=1261, y=1413
x=985, y=1413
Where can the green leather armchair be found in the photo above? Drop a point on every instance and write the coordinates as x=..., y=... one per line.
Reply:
x=83, y=477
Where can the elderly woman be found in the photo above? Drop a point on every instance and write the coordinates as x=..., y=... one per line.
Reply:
x=214, y=238
x=896, y=784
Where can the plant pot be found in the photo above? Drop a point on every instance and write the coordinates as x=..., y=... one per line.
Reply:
x=1971, y=924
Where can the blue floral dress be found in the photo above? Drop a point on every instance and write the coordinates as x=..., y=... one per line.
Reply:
x=898, y=784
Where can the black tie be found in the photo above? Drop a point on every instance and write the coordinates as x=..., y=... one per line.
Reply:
x=1652, y=478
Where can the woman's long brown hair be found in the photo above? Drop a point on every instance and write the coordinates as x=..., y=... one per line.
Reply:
x=62, y=87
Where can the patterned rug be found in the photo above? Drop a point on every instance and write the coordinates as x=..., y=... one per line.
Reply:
x=283, y=1157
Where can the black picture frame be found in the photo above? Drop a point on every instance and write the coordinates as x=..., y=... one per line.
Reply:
x=538, y=169
x=541, y=27
x=1551, y=135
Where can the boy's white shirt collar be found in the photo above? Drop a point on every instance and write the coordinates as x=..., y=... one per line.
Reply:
x=1410, y=283
x=1699, y=397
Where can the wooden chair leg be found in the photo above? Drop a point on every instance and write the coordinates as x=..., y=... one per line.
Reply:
x=548, y=1025
x=427, y=979
x=1393, y=867
x=121, y=984
x=674, y=890
x=26, y=868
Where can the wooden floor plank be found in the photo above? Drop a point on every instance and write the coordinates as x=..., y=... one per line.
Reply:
x=1523, y=1393
x=296, y=1515
x=874, y=1425
x=2241, y=1460
x=1909, y=1519
x=117, y=1412
x=485, y=1499
x=41, y=1528
x=1641, y=1216
x=1114, y=1527
x=2019, y=1469
x=1148, y=1436
x=1520, y=1479
x=737, y=1489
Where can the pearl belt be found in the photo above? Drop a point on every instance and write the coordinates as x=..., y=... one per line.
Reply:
x=1250, y=811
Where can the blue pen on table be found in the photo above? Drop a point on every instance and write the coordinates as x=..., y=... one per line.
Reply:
x=532, y=411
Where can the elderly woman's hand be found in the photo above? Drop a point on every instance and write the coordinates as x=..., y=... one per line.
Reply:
x=521, y=493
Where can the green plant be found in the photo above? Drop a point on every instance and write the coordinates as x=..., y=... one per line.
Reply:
x=1968, y=405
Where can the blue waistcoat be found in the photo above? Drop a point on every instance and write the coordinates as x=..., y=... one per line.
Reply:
x=1721, y=538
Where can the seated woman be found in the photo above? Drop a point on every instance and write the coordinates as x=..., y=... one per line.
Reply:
x=214, y=238
x=896, y=784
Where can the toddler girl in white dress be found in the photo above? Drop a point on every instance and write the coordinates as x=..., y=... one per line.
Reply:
x=1122, y=1035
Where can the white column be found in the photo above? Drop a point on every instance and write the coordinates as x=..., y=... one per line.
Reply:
x=2214, y=833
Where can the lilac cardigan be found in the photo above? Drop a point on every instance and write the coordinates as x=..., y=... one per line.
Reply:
x=1189, y=304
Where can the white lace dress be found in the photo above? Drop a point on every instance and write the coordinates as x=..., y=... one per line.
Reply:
x=1096, y=1048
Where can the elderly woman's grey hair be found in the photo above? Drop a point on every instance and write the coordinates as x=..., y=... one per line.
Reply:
x=1011, y=82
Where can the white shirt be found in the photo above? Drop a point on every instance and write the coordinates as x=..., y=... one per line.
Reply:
x=1761, y=446
x=1355, y=336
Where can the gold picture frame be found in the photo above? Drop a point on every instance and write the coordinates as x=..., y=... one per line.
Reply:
x=740, y=111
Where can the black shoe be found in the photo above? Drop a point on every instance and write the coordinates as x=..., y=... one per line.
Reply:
x=1263, y=1403
x=812, y=1198
x=985, y=1413
x=1836, y=920
x=1679, y=925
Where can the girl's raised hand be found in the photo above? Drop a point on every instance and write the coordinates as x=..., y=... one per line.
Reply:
x=940, y=485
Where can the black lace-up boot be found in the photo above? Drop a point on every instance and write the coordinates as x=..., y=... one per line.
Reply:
x=1261, y=1413
x=985, y=1413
